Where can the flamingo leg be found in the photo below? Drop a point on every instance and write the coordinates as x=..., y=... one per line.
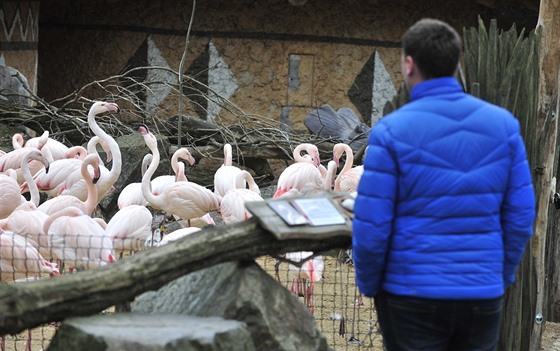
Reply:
x=301, y=287
x=309, y=299
x=28, y=343
x=293, y=286
x=277, y=270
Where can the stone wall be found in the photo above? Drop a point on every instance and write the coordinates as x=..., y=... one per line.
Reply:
x=19, y=35
x=270, y=58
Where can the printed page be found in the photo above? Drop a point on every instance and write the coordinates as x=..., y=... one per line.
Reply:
x=288, y=213
x=319, y=211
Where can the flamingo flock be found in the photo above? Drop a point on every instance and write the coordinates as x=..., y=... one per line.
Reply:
x=64, y=234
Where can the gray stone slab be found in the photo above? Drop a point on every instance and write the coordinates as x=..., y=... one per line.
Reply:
x=156, y=332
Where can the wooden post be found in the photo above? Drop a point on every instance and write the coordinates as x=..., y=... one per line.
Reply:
x=547, y=126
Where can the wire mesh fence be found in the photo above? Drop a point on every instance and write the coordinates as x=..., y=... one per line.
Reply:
x=347, y=320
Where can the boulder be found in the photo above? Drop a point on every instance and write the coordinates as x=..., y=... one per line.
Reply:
x=241, y=291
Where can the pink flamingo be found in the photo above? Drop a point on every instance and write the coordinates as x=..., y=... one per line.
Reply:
x=329, y=176
x=177, y=234
x=232, y=207
x=92, y=147
x=12, y=160
x=160, y=183
x=33, y=155
x=56, y=149
x=20, y=260
x=199, y=222
x=129, y=228
x=131, y=194
x=349, y=177
x=88, y=206
x=11, y=195
x=184, y=199
x=108, y=177
x=59, y=172
x=78, y=240
x=17, y=141
x=64, y=172
x=311, y=270
x=26, y=220
x=225, y=177
x=304, y=175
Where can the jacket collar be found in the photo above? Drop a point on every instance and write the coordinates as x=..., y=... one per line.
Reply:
x=436, y=86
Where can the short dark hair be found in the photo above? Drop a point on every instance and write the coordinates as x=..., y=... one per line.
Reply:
x=435, y=47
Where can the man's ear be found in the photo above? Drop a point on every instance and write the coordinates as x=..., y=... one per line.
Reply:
x=409, y=66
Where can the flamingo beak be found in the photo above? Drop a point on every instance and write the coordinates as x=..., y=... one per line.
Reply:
x=96, y=174
x=316, y=161
x=112, y=107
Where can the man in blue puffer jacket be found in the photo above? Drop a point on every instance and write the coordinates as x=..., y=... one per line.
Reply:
x=445, y=206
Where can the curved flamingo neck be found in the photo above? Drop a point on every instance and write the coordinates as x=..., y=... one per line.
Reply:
x=347, y=164
x=43, y=140
x=349, y=159
x=180, y=173
x=32, y=186
x=78, y=152
x=183, y=154
x=228, y=155
x=92, y=194
x=17, y=141
x=146, y=163
x=244, y=175
x=146, y=179
x=328, y=179
x=115, y=171
x=297, y=153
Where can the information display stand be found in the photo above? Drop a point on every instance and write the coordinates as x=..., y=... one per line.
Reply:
x=318, y=216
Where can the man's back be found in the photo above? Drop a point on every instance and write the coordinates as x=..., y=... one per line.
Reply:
x=453, y=154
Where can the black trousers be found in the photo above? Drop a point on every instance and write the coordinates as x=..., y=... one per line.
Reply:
x=410, y=323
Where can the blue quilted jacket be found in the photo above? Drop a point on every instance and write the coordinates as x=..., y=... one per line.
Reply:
x=446, y=204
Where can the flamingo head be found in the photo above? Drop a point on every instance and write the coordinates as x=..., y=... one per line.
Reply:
x=336, y=160
x=102, y=106
x=96, y=174
x=111, y=258
x=190, y=160
x=316, y=160
x=313, y=151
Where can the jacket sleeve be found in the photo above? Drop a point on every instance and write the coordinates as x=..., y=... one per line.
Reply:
x=518, y=208
x=373, y=212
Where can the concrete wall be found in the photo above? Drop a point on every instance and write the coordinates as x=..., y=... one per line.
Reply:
x=269, y=58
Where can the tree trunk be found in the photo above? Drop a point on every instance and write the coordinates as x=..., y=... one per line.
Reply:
x=27, y=305
x=549, y=24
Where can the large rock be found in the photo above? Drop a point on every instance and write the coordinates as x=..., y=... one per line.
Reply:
x=138, y=332
x=14, y=86
x=242, y=291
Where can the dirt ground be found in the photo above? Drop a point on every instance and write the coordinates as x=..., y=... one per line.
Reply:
x=551, y=337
